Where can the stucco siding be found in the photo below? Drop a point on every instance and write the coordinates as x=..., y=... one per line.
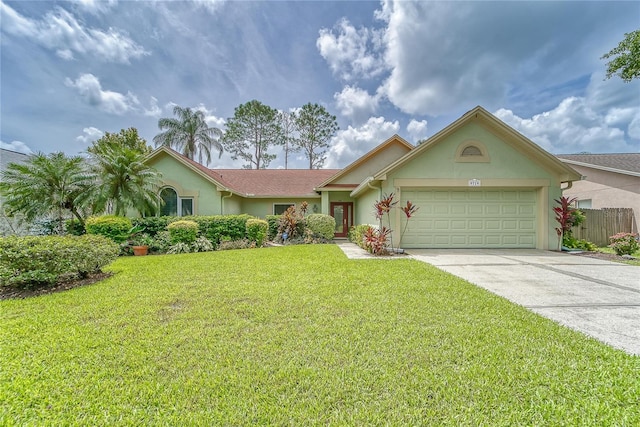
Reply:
x=607, y=190
x=373, y=164
x=188, y=183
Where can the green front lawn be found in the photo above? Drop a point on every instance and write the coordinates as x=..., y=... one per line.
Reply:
x=299, y=336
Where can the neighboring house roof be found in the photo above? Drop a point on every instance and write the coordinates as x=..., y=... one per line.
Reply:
x=8, y=156
x=256, y=183
x=623, y=163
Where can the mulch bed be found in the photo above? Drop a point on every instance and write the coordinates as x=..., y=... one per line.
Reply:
x=13, y=293
x=602, y=255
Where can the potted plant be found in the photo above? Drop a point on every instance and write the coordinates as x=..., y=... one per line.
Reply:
x=139, y=242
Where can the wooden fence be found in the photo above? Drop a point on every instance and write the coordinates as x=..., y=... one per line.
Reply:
x=599, y=224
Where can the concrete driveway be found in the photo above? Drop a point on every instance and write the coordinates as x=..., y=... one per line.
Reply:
x=598, y=298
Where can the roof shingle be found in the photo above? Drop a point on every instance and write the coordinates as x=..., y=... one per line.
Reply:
x=623, y=161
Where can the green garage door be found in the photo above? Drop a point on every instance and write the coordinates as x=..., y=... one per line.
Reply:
x=471, y=219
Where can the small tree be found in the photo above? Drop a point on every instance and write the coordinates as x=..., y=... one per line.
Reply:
x=252, y=130
x=409, y=210
x=626, y=58
x=288, y=135
x=128, y=138
x=316, y=128
x=565, y=215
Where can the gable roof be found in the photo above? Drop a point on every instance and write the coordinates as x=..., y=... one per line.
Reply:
x=393, y=140
x=624, y=163
x=495, y=125
x=256, y=182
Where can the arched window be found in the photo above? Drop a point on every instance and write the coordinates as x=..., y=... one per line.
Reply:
x=170, y=202
x=174, y=205
x=472, y=151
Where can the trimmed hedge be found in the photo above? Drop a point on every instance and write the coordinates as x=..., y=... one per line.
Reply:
x=257, y=230
x=183, y=231
x=274, y=222
x=212, y=227
x=35, y=261
x=356, y=234
x=321, y=225
x=114, y=227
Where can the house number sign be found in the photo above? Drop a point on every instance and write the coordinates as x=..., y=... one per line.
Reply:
x=474, y=183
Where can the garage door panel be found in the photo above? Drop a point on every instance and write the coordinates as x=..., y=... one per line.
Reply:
x=471, y=218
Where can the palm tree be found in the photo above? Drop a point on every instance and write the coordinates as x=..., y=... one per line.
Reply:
x=189, y=133
x=45, y=185
x=122, y=180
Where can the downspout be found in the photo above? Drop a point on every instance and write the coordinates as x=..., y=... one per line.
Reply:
x=375, y=188
x=222, y=200
x=569, y=185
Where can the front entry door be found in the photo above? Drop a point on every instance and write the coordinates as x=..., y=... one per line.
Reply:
x=343, y=213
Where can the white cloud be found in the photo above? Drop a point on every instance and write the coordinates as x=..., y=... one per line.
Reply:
x=210, y=118
x=633, y=129
x=17, y=146
x=210, y=5
x=356, y=103
x=351, y=143
x=417, y=130
x=571, y=127
x=60, y=31
x=96, y=6
x=90, y=134
x=154, y=110
x=89, y=88
x=351, y=53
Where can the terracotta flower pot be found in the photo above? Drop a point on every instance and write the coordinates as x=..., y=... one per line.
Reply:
x=140, y=250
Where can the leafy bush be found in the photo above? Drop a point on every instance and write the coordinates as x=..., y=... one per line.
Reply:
x=213, y=227
x=74, y=227
x=257, y=231
x=179, y=248
x=183, y=231
x=34, y=261
x=161, y=242
x=356, y=234
x=235, y=244
x=153, y=225
x=291, y=224
x=114, y=227
x=624, y=243
x=375, y=240
x=273, y=221
x=571, y=242
x=321, y=225
x=202, y=244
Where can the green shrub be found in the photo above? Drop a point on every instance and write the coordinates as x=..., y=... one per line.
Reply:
x=153, y=225
x=624, y=243
x=161, y=242
x=232, y=226
x=202, y=244
x=257, y=231
x=321, y=225
x=356, y=234
x=235, y=244
x=179, y=248
x=34, y=261
x=114, y=227
x=571, y=242
x=183, y=231
x=74, y=227
x=273, y=221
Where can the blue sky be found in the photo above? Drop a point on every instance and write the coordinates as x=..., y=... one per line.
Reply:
x=73, y=70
